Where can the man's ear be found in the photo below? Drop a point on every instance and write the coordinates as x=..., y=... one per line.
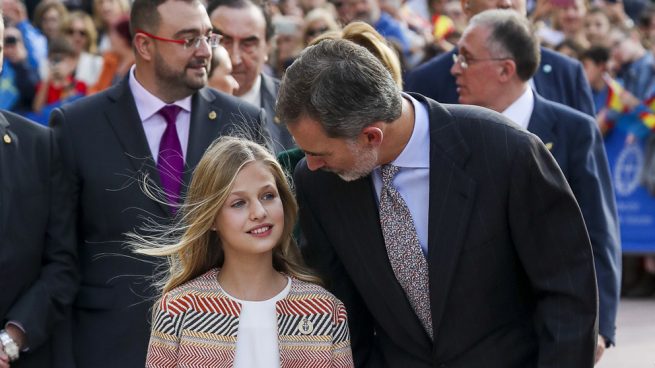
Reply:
x=143, y=46
x=508, y=70
x=372, y=135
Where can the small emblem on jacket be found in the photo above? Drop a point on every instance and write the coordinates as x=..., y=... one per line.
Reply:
x=549, y=146
x=306, y=326
x=7, y=138
x=212, y=115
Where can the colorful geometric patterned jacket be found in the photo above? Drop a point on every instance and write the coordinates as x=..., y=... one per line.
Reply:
x=196, y=325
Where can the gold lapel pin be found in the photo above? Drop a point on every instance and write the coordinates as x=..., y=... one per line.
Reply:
x=212, y=115
x=7, y=138
x=549, y=145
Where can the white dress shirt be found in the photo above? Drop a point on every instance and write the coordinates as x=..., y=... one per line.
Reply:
x=254, y=96
x=520, y=110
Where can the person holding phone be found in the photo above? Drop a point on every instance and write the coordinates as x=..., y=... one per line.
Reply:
x=21, y=74
x=60, y=83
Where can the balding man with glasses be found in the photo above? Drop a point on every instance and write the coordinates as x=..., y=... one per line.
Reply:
x=498, y=54
x=150, y=129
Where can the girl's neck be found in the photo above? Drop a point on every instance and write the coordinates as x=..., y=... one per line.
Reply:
x=251, y=280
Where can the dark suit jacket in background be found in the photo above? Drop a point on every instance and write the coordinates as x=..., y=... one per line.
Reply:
x=280, y=136
x=38, y=277
x=579, y=150
x=105, y=154
x=512, y=281
x=559, y=78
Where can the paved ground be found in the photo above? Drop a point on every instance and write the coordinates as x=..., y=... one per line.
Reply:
x=635, y=336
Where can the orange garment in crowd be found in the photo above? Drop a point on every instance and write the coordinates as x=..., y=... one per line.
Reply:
x=107, y=74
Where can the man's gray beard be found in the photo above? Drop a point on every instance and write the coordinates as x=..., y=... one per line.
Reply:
x=367, y=160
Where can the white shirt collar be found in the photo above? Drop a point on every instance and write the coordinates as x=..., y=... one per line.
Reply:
x=416, y=153
x=148, y=104
x=520, y=110
x=254, y=96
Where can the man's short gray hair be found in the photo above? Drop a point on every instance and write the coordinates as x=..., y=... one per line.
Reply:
x=340, y=85
x=511, y=36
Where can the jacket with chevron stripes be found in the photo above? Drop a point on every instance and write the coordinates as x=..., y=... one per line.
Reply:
x=196, y=325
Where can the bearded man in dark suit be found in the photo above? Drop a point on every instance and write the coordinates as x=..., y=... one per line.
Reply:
x=155, y=124
x=451, y=236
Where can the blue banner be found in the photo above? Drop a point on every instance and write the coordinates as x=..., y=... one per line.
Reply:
x=636, y=206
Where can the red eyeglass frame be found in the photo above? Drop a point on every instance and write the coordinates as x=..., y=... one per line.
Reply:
x=179, y=42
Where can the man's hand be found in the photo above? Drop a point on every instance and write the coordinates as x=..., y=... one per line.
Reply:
x=600, y=348
x=16, y=53
x=15, y=11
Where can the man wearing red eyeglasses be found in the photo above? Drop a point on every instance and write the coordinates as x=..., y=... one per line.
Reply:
x=148, y=131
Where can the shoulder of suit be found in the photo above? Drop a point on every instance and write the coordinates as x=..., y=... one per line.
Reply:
x=566, y=115
x=440, y=62
x=89, y=106
x=474, y=122
x=552, y=57
x=230, y=102
x=22, y=125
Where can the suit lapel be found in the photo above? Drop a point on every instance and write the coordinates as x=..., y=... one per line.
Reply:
x=6, y=163
x=205, y=124
x=268, y=97
x=356, y=202
x=124, y=119
x=542, y=124
x=452, y=194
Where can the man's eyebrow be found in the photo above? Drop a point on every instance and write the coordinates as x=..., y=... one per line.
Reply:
x=310, y=153
x=250, y=39
x=186, y=31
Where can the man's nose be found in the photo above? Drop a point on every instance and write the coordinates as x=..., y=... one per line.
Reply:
x=456, y=69
x=235, y=54
x=504, y=4
x=204, y=49
x=314, y=163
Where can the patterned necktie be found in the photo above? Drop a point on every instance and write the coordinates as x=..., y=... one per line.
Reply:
x=170, y=162
x=403, y=248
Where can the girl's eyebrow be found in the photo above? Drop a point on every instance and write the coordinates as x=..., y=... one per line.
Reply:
x=241, y=192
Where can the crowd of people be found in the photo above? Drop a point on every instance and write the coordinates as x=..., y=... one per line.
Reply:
x=445, y=161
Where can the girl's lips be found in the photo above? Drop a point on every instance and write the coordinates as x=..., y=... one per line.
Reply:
x=261, y=231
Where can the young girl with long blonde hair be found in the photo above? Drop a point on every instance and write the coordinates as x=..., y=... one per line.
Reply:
x=236, y=293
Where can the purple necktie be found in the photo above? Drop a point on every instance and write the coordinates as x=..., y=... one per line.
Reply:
x=170, y=162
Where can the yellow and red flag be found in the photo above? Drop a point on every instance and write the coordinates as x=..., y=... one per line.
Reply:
x=614, y=91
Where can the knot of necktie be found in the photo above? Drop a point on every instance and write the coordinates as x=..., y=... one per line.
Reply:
x=169, y=113
x=388, y=172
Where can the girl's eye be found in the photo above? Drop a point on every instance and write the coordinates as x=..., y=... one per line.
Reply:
x=268, y=196
x=238, y=204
